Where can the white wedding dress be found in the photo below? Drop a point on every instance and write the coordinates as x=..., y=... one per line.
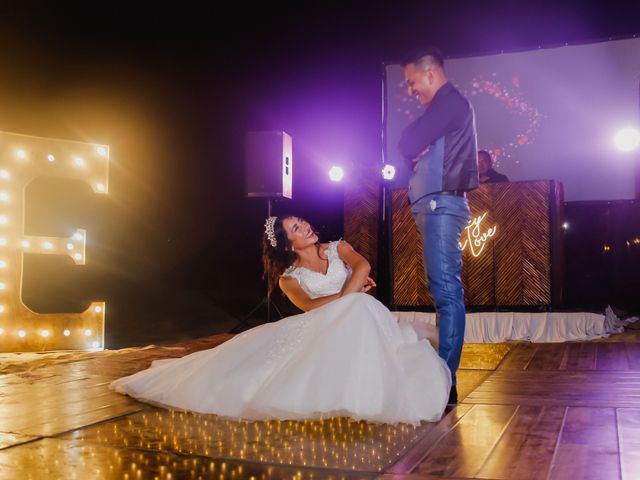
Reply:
x=349, y=357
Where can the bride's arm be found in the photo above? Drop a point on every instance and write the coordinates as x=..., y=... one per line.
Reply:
x=299, y=297
x=360, y=268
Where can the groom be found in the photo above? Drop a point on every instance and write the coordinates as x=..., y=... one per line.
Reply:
x=440, y=148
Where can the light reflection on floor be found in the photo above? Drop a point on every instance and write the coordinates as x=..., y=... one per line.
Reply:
x=162, y=444
x=72, y=459
x=336, y=443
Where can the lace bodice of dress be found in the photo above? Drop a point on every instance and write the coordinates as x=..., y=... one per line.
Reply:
x=317, y=284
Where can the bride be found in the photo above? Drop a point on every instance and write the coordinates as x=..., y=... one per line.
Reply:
x=345, y=356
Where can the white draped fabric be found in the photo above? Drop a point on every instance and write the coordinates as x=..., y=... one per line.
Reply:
x=538, y=327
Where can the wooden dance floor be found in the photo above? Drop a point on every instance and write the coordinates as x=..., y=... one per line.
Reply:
x=560, y=411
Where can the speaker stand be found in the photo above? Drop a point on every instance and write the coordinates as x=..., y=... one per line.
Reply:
x=244, y=321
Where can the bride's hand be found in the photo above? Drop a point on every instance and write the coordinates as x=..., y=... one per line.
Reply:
x=369, y=284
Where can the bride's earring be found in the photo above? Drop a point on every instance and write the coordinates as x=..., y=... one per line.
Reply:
x=293, y=249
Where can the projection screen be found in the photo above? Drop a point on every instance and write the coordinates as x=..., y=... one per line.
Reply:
x=543, y=114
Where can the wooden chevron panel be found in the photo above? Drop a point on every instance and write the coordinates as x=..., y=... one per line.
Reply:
x=409, y=283
x=515, y=266
x=361, y=210
x=523, y=257
x=508, y=251
x=557, y=246
x=478, y=273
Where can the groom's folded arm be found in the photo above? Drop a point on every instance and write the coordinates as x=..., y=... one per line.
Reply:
x=441, y=117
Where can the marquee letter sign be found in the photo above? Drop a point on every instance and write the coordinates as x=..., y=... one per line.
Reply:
x=22, y=160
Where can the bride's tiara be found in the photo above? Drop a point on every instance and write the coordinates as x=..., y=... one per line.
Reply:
x=268, y=228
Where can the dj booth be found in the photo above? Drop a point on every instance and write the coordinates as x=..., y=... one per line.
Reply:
x=512, y=246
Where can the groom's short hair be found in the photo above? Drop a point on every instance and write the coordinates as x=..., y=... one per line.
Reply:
x=425, y=57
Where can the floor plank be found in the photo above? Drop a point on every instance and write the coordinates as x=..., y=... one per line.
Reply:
x=628, y=421
x=581, y=356
x=588, y=445
x=633, y=355
x=611, y=356
x=412, y=458
x=548, y=357
x=568, y=388
x=519, y=357
x=465, y=448
x=526, y=449
x=11, y=439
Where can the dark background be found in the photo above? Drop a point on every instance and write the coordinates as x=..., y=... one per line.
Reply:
x=174, y=249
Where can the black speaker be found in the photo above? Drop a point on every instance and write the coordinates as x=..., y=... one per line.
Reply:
x=269, y=164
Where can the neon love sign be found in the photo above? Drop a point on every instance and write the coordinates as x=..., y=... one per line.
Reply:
x=473, y=236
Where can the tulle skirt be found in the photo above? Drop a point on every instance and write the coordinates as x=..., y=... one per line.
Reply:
x=347, y=358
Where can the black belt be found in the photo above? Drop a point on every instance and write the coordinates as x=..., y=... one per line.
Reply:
x=457, y=193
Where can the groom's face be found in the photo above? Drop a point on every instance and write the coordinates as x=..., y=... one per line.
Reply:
x=299, y=232
x=420, y=83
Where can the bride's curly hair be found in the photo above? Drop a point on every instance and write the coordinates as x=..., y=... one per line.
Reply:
x=276, y=260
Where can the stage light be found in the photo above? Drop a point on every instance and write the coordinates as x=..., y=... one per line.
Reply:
x=66, y=333
x=3, y=242
x=565, y=225
x=70, y=246
x=4, y=197
x=1, y=331
x=4, y=174
x=98, y=309
x=47, y=246
x=87, y=333
x=25, y=243
x=21, y=154
x=100, y=187
x=627, y=139
x=77, y=256
x=3, y=264
x=95, y=344
x=3, y=286
x=336, y=174
x=101, y=151
x=2, y=309
x=3, y=220
x=51, y=158
x=22, y=333
x=388, y=172
x=44, y=333
x=79, y=162
x=78, y=236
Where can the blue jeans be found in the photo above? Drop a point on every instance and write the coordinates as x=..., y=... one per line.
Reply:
x=440, y=220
